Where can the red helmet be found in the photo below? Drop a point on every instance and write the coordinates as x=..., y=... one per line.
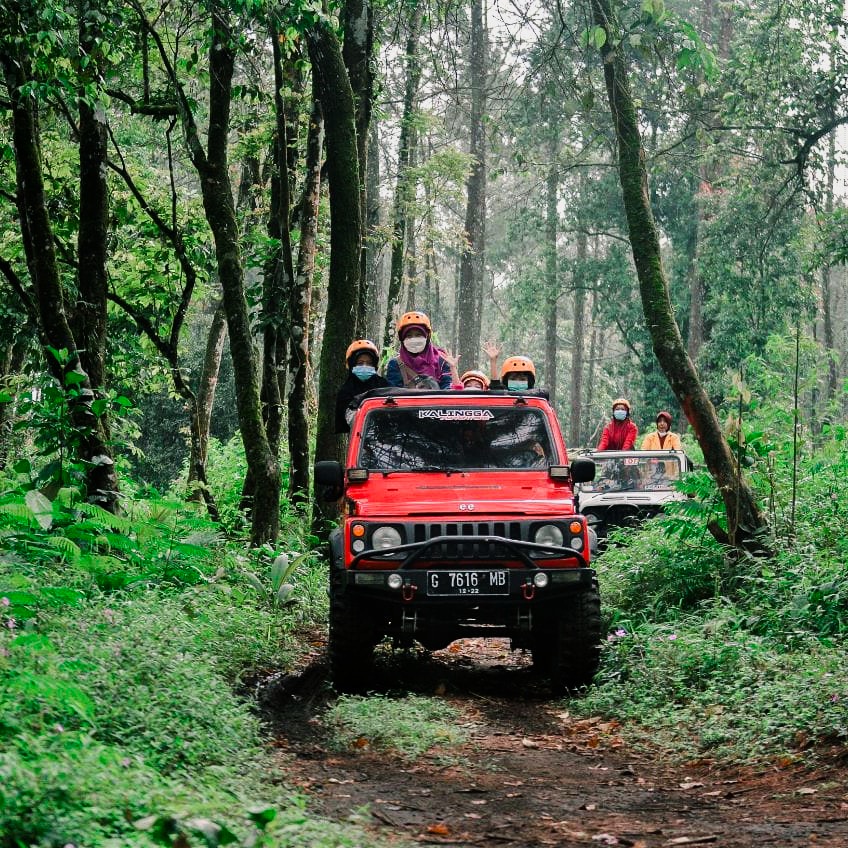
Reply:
x=665, y=415
x=358, y=346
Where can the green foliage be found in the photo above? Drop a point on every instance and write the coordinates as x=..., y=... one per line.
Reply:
x=408, y=726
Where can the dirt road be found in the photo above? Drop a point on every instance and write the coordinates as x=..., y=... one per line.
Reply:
x=533, y=775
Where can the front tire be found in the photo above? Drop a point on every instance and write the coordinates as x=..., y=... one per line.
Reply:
x=352, y=639
x=576, y=644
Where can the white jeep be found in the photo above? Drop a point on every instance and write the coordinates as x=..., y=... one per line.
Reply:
x=630, y=486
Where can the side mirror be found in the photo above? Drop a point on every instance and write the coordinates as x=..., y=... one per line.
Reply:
x=582, y=470
x=329, y=473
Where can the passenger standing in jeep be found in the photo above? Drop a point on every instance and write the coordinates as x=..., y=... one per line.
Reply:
x=420, y=364
x=362, y=357
x=620, y=433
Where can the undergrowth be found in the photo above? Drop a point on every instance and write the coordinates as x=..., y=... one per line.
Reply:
x=748, y=652
x=125, y=647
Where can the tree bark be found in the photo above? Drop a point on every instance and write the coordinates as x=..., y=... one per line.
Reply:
x=201, y=414
x=89, y=315
x=345, y=232
x=473, y=261
x=373, y=240
x=552, y=291
x=39, y=247
x=299, y=309
x=579, y=340
x=404, y=188
x=358, y=25
x=746, y=524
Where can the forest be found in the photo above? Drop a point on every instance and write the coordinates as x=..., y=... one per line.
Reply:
x=204, y=202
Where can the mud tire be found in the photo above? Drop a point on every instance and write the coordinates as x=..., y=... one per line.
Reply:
x=572, y=656
x=351, y=644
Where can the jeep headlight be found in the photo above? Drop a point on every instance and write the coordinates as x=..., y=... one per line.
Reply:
x=385, y=537
x=548, y=534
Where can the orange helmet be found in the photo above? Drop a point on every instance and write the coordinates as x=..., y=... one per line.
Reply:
x=475, y=375
x=358, y=346
x=621, y=402
x=409, y=319
x=519, y=363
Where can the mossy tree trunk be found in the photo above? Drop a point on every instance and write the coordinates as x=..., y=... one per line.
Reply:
x=212, y=165
x=345, y=230
x=746, y=524
x=469, y=300
x=404, y=184
x=299, y=309
x=49, y=300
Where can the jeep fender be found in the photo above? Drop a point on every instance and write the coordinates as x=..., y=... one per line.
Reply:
x=336, y=549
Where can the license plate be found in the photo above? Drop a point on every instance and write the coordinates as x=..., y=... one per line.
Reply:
x=468, y=582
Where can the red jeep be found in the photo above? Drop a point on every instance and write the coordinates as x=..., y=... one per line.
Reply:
x=459, y=520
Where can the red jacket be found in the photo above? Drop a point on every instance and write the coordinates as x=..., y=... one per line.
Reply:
x=618, y=435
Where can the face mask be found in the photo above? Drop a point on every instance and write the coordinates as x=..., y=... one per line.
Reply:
x=415, y=344
x=619, y=414
x=363, y=372
x=517, y=385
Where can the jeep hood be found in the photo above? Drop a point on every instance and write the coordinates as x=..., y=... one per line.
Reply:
x=460, y=495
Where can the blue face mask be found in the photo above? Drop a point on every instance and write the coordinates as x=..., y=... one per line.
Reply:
x=619, y=414
x=363, y=372
x=517, y=385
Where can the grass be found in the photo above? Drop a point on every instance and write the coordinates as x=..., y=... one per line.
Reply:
x=409, y=726
x=123, y=658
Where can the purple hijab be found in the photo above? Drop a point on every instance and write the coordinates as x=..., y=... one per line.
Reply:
x=425, y=363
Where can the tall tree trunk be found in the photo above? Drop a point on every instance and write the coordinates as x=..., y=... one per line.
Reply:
x=579, y=340
x=201, y=419
x=373, y=240
x=470, y=295
x=279, y=270
x=826, y=277
x=358, y=24
x=345, y=232
x=552, y=291
x=89, y=314
x=11, y=364
x=586, y=426
x=299, y=308
x=39, y=246
x=745, y=522
x=404, y=188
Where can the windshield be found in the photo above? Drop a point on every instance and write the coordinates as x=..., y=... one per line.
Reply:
x=455, y=438
x=634, y=474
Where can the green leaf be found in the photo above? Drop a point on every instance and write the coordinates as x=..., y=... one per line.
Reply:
x=41, y=508
x=599, y=37
x=125, y=402
x=261, y=816
x=99, y=406
x=74, y=378
x=5, y=397
x=22, y=466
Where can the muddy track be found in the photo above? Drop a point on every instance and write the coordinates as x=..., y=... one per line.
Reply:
x=533, y=775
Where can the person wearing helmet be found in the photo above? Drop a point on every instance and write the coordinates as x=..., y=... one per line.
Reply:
x=662, y=438
x=474, y=380
x=420, y=364
x=518, y=374
x=620, y=433
x=362, y=357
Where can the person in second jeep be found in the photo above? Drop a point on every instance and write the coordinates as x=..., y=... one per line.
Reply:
x=620, y=433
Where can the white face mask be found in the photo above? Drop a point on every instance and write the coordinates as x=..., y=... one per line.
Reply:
x=415, y=344
x=517, y=385
x=619, y=414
